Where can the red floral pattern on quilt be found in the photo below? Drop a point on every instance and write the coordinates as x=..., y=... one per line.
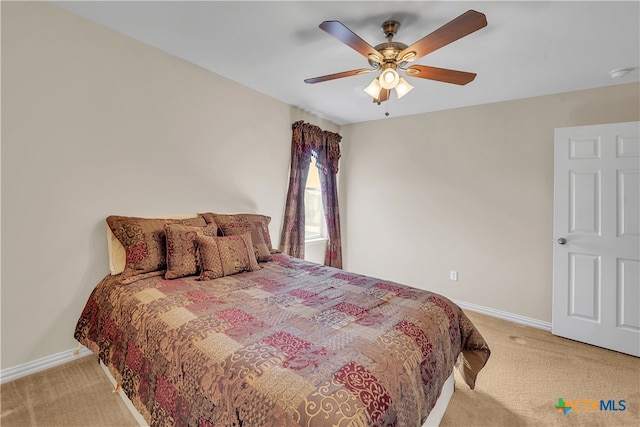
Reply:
x=235, y=316
x=418, y=335
x=351, y=309
x=361, y=382
x=302, y=354
x=303, y=294
x=201, y=296
x=170, y=401
x=453, y=329
x=400, y=291
x=267, y=284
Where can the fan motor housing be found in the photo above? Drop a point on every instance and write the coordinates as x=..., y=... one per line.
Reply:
x=390, y=49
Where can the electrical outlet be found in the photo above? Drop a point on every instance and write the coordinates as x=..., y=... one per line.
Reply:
x=453, y=275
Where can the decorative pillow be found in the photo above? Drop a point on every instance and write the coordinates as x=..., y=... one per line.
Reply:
x=224, y=256
x=257, y=225
x=182, y=254
x=117, y=254
x=210, y=218
x=144, y=242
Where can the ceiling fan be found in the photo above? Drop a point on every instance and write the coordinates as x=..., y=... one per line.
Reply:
x=392, y=56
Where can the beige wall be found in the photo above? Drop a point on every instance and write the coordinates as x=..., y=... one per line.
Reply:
x=469, y=189
x=95, y=123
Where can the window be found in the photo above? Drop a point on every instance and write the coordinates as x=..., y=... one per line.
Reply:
x=315, y=226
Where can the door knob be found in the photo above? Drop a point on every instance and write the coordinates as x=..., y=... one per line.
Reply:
x=562, y=240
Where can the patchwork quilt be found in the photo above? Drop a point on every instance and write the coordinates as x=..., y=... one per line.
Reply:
x=292, y=344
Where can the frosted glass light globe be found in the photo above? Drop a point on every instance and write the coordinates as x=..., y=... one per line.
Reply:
x=389, y=78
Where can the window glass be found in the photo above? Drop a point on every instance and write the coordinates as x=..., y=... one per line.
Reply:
x=314, y=227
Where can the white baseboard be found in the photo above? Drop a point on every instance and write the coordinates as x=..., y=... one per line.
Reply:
x=38, y=365
x=511, y=317
x=66, y=356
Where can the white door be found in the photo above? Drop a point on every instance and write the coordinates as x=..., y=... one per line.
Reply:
x=596, y=257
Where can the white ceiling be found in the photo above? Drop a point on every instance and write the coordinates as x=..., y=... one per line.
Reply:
x=529, y=48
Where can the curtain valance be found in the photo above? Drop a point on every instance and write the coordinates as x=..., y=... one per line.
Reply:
x=323, y=145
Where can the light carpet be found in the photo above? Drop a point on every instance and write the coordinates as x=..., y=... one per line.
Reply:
x=73, y=394
x=530, y=369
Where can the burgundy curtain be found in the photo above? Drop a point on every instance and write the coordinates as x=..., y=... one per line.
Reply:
x=292, y=237
x=327, y=160
x=308, y=140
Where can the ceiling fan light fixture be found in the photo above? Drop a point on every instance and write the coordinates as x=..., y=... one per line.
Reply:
x=374, y=89
x=389, y=78
x=403, y=88
x=387, y=58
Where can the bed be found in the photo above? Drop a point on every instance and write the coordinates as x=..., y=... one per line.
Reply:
x=202, y=323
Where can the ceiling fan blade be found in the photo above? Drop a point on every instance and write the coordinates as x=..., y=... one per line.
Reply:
x=461, y=26
x=441, y=74
x=383, y=96
x=337, y=75
x=351, y=39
